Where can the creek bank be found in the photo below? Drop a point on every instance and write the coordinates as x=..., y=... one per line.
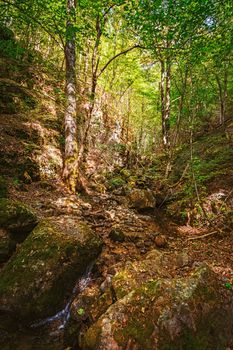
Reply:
x=41, y=274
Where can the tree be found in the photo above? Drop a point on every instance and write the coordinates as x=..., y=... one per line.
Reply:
x=70, y=171
x=166, y=29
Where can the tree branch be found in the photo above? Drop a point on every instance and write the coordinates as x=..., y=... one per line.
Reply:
x=117, y=55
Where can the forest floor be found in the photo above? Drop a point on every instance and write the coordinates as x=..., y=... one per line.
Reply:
x=105, y=212
x=142, y=232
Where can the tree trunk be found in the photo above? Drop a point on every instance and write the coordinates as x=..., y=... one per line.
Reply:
x=70, y=171
x=181, y=104
x=165, y=101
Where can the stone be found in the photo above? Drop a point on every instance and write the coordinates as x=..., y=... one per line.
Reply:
x=160, y=241
x=192, y=313
x=16, y=217
x=42, y=273
x=141, y=199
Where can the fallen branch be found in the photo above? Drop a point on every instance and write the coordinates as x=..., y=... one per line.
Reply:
x=202, y=236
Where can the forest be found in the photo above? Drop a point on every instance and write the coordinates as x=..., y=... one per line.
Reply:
x=116, y=177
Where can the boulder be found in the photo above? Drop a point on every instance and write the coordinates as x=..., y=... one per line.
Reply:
x=16, y=217
x=42, y=273
x=93, y=301
x=141, y=199
x=194, y=312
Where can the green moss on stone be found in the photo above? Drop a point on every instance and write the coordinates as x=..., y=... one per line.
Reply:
x=35, y=281
x=16, y=217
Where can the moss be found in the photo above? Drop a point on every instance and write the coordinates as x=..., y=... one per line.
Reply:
x=141, y=331
x=36, y=280
x=92, y=338
x=185, y=313
x=16, y=217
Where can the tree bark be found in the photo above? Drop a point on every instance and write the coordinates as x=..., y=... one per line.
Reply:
x=70, y=170
x=165, y=100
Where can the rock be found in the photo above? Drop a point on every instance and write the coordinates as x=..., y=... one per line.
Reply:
x=183, y=259
x=141, y=199
x=16, y=217
x=42, y=273
x=86, y=308
x=184, y=313
x=138, y=272
x=160, y=241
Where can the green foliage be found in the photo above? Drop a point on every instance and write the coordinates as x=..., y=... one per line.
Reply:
x=15, y=181
x=228, y=285
x=116, y=182
x=11, y=49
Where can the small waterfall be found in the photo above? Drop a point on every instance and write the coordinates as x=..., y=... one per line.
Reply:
x=63, y=315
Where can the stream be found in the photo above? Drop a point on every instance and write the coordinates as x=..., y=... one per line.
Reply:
x=45, y=334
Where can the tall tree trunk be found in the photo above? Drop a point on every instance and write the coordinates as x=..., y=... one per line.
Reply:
x=181, y=104
x=84, y=146
x=70, y=171
x=165, y=100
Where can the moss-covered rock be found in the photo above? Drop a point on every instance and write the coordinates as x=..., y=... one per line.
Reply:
x=184, y=313
x=16, y=217
x=141, y=199
x=86, y=308
x=41, y=274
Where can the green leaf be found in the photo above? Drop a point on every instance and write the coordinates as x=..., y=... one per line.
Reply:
x=80, y=311
x=228, y=285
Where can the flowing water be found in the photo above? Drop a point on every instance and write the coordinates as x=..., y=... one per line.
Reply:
x=45, y=334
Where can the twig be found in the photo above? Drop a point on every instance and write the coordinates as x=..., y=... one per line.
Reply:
x=202, y=236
